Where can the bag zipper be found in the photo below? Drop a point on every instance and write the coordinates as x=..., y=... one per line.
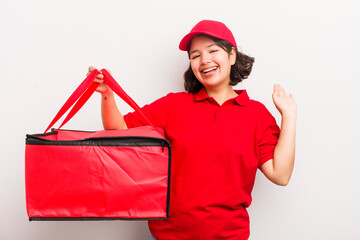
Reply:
x=121, y=141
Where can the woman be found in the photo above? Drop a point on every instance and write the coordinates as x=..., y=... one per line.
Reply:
x=219, y=138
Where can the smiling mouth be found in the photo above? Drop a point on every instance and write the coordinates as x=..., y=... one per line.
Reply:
x=209, y=70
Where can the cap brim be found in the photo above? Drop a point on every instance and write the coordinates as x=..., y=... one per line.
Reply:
x=184, y=43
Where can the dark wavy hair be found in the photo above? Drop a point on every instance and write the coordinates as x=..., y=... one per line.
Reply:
x=239, y=71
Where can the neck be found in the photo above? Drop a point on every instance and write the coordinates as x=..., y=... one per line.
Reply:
x=221, y=95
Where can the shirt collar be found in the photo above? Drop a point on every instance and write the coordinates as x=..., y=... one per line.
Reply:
x=241, y=99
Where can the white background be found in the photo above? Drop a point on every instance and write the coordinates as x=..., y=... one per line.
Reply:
x=310, y=47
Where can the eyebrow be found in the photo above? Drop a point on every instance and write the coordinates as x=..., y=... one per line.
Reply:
x=206, y=47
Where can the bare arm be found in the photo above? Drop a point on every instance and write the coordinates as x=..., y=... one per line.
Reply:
x=279, y=169
x=110, y=114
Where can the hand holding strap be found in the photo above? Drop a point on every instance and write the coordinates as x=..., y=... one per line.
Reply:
x=84, y=92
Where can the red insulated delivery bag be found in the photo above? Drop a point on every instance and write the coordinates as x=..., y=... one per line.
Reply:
x=101, y=175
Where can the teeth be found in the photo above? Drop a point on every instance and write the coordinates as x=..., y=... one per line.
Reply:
x=210, y=69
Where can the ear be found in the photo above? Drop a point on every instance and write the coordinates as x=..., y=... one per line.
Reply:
x=232, y=56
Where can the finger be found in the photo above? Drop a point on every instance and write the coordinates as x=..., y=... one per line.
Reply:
x=276, y=86
x=99, y=76
x=98, y=80
x=282, y=92
x=91, y=68
x=277, y=89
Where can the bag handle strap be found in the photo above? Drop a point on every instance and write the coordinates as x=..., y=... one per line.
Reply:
x=74, y=96
x=110, y=81
x=84, y=92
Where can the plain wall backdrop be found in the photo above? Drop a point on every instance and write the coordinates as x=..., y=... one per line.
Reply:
x=310, y=47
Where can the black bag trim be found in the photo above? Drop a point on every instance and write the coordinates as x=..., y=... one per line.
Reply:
x=92, y=218
x=136, y=141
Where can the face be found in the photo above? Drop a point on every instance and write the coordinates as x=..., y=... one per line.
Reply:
x=210, y=63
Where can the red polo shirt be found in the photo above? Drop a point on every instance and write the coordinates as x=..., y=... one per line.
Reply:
x=216, y=151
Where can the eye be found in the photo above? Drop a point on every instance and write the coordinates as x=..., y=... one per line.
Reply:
x=196, y=56
x=212, y=51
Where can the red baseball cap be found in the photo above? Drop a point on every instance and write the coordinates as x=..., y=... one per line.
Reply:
x=211, y=28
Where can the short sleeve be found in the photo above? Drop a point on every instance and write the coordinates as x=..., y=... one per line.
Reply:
x=157, y=112
x=268, y=134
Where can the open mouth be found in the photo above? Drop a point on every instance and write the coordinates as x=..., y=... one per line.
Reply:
x=209, y=70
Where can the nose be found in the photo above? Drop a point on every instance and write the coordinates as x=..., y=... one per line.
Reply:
x=205, y=58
